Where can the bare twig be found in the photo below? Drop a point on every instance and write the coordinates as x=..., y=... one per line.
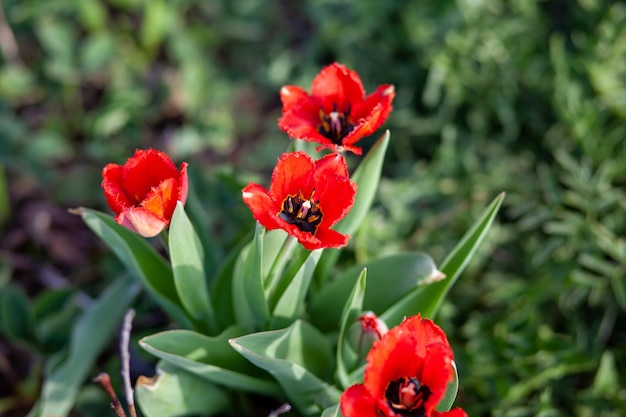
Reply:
x=8, y=43
x=105, y=380
x=125, y=354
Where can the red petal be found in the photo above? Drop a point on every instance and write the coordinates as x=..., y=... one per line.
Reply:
x=329, y=238
x=293, y=173
x=404, y=351
x=336, y=84
x=371, y=114
x=383, y=95
x=356, y=401
x=295, y=97
x=300, y=114
x=331, y=164
x=436, y=372
x=263, y=208
x=146, y=169
x=141, y=221
x=183, y=184
x=116, y=198
x=301, y=126
x=456, y=412
x=336, y=196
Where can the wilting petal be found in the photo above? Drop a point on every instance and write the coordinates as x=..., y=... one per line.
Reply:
x=141, y=221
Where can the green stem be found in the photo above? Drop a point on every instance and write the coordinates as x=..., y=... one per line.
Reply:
x=278, y=266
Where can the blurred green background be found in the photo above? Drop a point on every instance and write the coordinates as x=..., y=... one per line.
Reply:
x=522, y=96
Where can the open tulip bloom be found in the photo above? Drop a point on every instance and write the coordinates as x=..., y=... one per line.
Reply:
x=407, y=374
x=336, y=114
x=305, y=199
x=270, y=317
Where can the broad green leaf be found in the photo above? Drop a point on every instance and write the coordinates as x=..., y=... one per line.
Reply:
x=175, y=392
x=91, y=334
x=297, y=357
x=222, y=290
x=187, y=258
x=273, y=243
x=210, y=358
x=290, y=304
x=388, y=280
x=248, y=294
x=53, y=309
x=332, y=411
x=16, y=314
x=446, y=402
x=366, y=176
x=427, y=300
x=141, y=260
x=351, y=311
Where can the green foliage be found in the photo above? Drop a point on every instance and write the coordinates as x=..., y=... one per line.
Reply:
x=522, y=96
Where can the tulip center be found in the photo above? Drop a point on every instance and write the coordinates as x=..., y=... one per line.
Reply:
x=303, y=212
x=406, y=396
x=335, y=125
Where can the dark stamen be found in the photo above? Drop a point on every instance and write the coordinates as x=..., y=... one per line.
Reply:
x=304, y=213
x=336, y=125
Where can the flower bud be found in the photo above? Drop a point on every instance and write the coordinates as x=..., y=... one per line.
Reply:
x=365, y=331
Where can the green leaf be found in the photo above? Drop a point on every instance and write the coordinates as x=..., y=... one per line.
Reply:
x=16, y=315
x=388, y=280
x=446, y=402
x=187, y=258
x=222, y=290
x=210, y=358
x=290, y=304
x=175, y=392
x=427, y=300
x=248, y=294
x=606, y=382
x=91, y=334
x=141, y=260
x=351, y=311
x=367, y=177
x=332, y=411
x=297, y=357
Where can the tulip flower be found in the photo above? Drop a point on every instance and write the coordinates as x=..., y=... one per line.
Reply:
x=143, y=192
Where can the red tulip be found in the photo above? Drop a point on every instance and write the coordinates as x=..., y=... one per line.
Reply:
x=336, y=114
x=144, y=191
x=406, y=374
x=306, y=198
